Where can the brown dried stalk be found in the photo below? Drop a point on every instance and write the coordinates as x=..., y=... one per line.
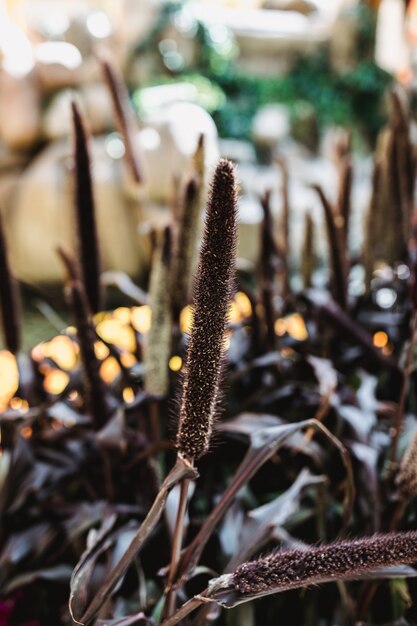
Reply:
x=94, y=385
x=88, y=246
x=9, y=299
x=124, y=116
x=212, y=292
x=338, y=260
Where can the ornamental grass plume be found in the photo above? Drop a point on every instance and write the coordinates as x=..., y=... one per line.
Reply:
x=158, y=346
x=308, y=258
x=124, y=116
x=88, y=246
x=212, y=292
x=186, y=244
x=282, y=570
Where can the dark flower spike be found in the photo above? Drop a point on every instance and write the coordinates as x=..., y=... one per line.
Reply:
x=123, y=115
x=9, y=299
x=308, y=259
x=94, y=385
x=212, y=292
x=337, y=250
x=269, y=263
x=88, y=246
x=283, y=570
x=186, y=244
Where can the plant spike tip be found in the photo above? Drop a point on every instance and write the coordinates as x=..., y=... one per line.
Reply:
x=212, y=290
x=9, y=299
x=124, y=116
x=88, y=246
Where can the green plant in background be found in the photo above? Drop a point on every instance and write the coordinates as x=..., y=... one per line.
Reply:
x=354, y=99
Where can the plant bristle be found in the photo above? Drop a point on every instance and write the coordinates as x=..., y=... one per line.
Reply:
x=212, y=291
x=282, y=570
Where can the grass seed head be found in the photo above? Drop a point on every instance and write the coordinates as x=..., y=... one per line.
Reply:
x=212, y=292
x=283, y=570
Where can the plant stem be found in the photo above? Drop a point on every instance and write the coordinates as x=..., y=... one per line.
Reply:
x=181, y=470
x=176, y=548
x=186, y=609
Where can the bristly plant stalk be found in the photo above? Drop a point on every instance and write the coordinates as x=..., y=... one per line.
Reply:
x=124, y=116
x=9, y=299
x=88, y=246
x=94, y=386
x=212, y=292
x=308, y=259
x=186, y=245
x=292, y=569
x=282, y=570
x=269, y=263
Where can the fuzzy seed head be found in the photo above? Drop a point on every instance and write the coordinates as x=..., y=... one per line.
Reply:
x=212, y=292
x=280, y=571
x=186, y=244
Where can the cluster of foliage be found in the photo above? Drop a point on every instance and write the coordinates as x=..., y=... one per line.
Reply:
x=354, y=98
x=317, y=391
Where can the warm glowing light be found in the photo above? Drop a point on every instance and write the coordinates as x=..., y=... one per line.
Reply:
x=109, y=369
x=243, y=304
x=18, y=404
x=128, y=395
x=175, y=363
x=113, y=331
x=101, y=350
x=186, y=319
x=9, y=377
x=123, y=314
x=55, y=382
x=141, y=318
x=294, y=325
x=38, y=352
x=280, y=327
x=26, y=432
x=128, y=359
x=380, y=339
x=63, y=351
